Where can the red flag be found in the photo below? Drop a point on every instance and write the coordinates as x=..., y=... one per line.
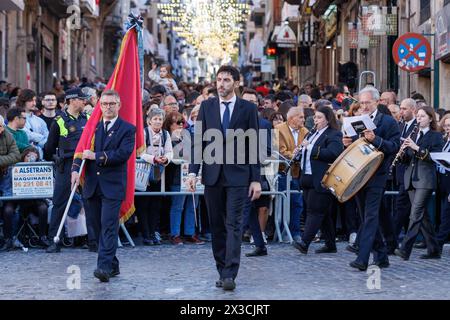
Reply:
x=126, y=81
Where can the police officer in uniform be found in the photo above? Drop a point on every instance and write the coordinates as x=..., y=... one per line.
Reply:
x=65, y=132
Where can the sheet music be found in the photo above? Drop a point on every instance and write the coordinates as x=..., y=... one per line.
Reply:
x=442, y=159
x=353, y=126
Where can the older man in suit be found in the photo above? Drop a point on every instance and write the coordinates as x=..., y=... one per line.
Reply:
x=231, y=177
x=386, y=138
x=290, y=135
x=105, y=181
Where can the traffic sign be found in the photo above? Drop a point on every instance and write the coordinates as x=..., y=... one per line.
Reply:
x=412, y=52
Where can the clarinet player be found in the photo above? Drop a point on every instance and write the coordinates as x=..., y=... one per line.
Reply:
x=420, y=181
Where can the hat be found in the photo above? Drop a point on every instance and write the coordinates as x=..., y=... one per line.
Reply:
x=89, y=92
x=76, y=93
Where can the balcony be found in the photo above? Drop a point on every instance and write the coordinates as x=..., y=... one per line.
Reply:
x=12, y=5
x=59, y=7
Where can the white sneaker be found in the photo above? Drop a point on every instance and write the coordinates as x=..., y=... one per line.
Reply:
x=252, y=241
x=352, y=238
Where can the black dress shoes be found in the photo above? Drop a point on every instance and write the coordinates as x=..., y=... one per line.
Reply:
x=326, y=249
x=402, y=254
x=102, y=275
x=53, y=248
x=228, y=284
x=352, y=248
x=7, y=246
x=114, y=272
x=359, y=266
x=420, y=245
x=300, y=246
x=258, y=252
x=381, y=264
x=435, y=255
x=219, y=283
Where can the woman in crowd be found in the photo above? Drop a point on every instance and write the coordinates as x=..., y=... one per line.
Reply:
x=277, y=118
x=158, y=153
x=174, y=124
x=26, y=207
x=444, y=187
x=420, y=181
x=321, y=147
x=165, y=78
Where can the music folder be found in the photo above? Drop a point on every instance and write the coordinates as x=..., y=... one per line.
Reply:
x=356, y=125
x=442, y=159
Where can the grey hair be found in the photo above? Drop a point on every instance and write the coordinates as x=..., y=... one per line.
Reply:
x=410, y=103
x=156, y=112
x=2, y=121
x=112, y=93
x=294, y=111
x=372, y=90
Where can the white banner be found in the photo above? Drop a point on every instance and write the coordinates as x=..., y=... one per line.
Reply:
x=33, y=180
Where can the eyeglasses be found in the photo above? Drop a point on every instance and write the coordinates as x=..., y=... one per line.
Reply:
x=180, y=122
x=50, y=100
x=173, y=104
x=109, y=104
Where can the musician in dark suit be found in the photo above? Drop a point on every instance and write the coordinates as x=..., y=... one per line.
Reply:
x=386, y=138
x=106, y=180
x=230, y=176
x=319, y=150
x=408, y=109
x=420, y=181
x=444, y=187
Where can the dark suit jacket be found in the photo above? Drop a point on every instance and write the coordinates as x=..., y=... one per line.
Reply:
x=387, y=140
x=326, y=149
x=245, y=117
x=109, y=170
x=401, y=167
x=421, y=170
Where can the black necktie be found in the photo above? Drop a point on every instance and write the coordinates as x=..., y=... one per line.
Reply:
x=420, y=136
x=405, y=129
x=446, y=146
x=107, y=123
x=226, y=117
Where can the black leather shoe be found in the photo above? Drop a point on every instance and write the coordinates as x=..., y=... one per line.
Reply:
x=300, y=246
x=381, y=264
x=43, y=242
x=219, y=283
x=114, y=272
x=228, y=284
x=352, y=248
x=420, y=245
x=258, y=252
x=53, y=248
x=435, y=255
x=402, y=254
x=326, y=249
x=7, y=246
x=359, y=266
x=102, y=275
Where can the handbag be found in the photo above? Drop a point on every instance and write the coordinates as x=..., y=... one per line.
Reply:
x=155, y=173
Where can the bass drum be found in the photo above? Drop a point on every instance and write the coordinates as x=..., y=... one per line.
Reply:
x=351, y=171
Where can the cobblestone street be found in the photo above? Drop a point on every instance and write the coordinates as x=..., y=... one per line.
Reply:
x=188, y=272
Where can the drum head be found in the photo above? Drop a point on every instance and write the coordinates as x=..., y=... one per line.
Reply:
x=360, y=179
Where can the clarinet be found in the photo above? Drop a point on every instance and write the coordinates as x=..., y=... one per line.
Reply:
x=401, y=152
x=297, y=157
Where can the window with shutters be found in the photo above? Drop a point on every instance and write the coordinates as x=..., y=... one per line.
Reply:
x=425, y=10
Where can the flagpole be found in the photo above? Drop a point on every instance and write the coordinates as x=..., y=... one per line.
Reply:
x=56, y=238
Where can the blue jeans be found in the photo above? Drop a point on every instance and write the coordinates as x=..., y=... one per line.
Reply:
x=180, y=204
x=296, y=204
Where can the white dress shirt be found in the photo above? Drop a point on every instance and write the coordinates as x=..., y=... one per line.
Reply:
x=230, y=106
x=312, y=140
x=408, y=124
x=295, y=135
x=424, y=133
x=111, y=123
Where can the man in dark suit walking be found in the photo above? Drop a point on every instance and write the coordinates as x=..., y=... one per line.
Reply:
x=105, y=181
x=386, y=138
x=232, y=174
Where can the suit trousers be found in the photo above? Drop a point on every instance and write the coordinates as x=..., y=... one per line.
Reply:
x=420, y=221
x=251, y=214
x=225, y=208
x=318, y=214
x=370, y=240
x=403, y=209
x=104, y=214
x=444, y=228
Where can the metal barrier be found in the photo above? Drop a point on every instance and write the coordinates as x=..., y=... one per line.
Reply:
x=281, y=210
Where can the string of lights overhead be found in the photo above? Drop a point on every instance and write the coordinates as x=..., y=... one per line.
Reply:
x=212, y=26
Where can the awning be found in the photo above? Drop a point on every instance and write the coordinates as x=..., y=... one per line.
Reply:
x=150, y=45
x=256, y=47
x=286, y=37
x=442, y=36
x=10, y=5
